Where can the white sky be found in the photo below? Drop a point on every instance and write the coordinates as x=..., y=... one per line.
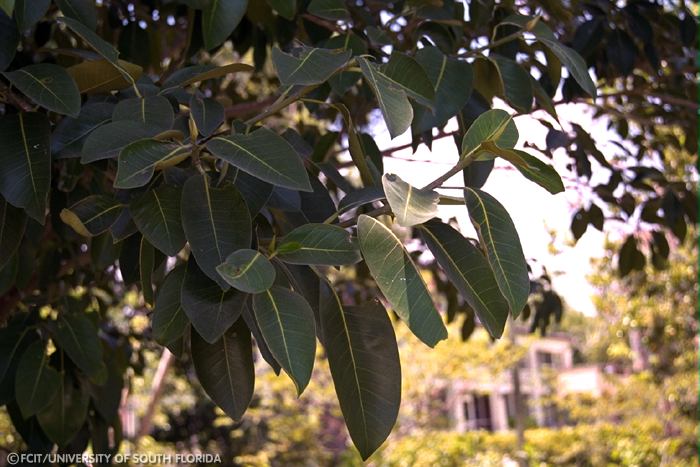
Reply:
x=534, y=211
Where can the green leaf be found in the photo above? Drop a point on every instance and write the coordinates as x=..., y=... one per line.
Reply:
x=469, y=271
x=494, y=126
x=9, y=39
x=169, y=320
x=28, y=12
x=287, y=325
x=36, y=383
x=452, y=80
x=361, y=197
x=7, y=6
x=216, y=223
x=333, y=10
x=540, y=173
x=100, y=76
x=108, y=140
x=207, y=114
x=364, y=363
x=285, y=8
x=92, y=215
x=13, y=222
x=225, y=369
x=157, y=215
x=50, y=86
x=147, y=260
x=399, y=280
x=219, y=19
x=516, y=83
x=139, y=160
x=313, y=66
x=406, y=73
x=248, y=271
x=503, y=251
x=410, y=205
x=25, y=162
x=321, y=244
x=76, y=335
x=152, y=111
x=392, y=99
x=263, y=154
x=210, y=309
x=68, y=136
x=81, y=10
x=62, y=420
x=217, y=72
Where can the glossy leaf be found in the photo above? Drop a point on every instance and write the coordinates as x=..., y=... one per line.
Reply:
x=410, y=205
x=216, y=223
x=287, y=325
x=469, y=271
x=69, y=135
x=503, y=251
x=153, y=112
x=312, y=66
x=169, y=320
x=494, y=126
x=100, y=76
x=225, y=369
x=364, y=363
x=36, y=383
x=285, y=8
x=399, y=280
x=76, y=335
x=139, y=160
x=219, y=19
x=157, y=215
x=215, y=72
x=81, y=10
x=541, y=173
x=263, y=154
x=92, y=215
x=407, y=74
x=108, y=140
x=208, y=115
x=28, y=12
x=62, y=420
x=13, y=222
x=50, y=86
x=516, y=83
x=392, y=99
x=320, y=244
x=147, y=260
x=333, y=10
x=248, y=271
x=25, y=162
x=9, y=39
x=210, y=309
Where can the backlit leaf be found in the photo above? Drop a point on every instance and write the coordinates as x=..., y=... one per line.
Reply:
x=410, y=205
x=312, y=66
x=392, y=99
x=495, y=126
x=406, y=73
x=540, y=173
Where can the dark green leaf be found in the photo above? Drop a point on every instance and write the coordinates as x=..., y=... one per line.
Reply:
x=169, y=321
x=287, y=325
x=285, y=8
x=321, y=244
x=36, y=383
x=225, y=369
x=81, y=10
x=248, y=271
x=516, y=83
x=7, y=6
x=399, y=280
x=219, y=19
x=579, y=223
x=153, y=112
x=469, y=271
x=157, y=215
x=28, y=12
x=364, y=362
x=361, y=197
x=62, y=420
x=50, y=86
x=139, y=160
x=196, y=74
x=263, y=154
x=9, y=38
x=539, y=172
x=76, y=335
x=407, y=74
x=108, y=140
x=92, y=215
x=210, y=309
x=207, y=114
x=333, y=10
x=147, y=260
x=25, y=162
x=13, y=222
x=216, y=223
x=67, y=137
x=503, y=251
x=392, y=99
x=410, y=205
x=312, y=66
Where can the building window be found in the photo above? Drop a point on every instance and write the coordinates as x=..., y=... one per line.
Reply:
x=548, y=359
x=480, y=417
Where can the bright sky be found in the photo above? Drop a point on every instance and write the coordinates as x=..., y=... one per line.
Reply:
x=534, y=211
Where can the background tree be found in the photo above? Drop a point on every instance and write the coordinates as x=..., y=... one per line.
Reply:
x=191, y=149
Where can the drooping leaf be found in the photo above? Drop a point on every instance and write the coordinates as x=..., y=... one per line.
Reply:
x=157, y=215
x=263, y=154
x=210, y=309
x=248, y=271
x=108, y=140
x=392, y=99
x=76, y=335
x=312, y=66
x=410, y=205
x=406, y=73
x=62, y=420
x=216, y=223
x=469, y=271
x=207, y=114
x=68, y=136
x=493, y=126
x=152, y=111
x=219, y=19
x=81, y=10
x=92, y=215
x=503, y=251
x=147, y=260
x=287, y=325
x=364, y=363
x=25, y=162
x=139, y=160
x=50, y=86
x=36, y=383
x=100, y=76
x=333, y=10
x=225, y=369
x=169, y=320
x=399, y=280
x=13, y=222
x=320, y=244
x=540, y=173
x=28, y=12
